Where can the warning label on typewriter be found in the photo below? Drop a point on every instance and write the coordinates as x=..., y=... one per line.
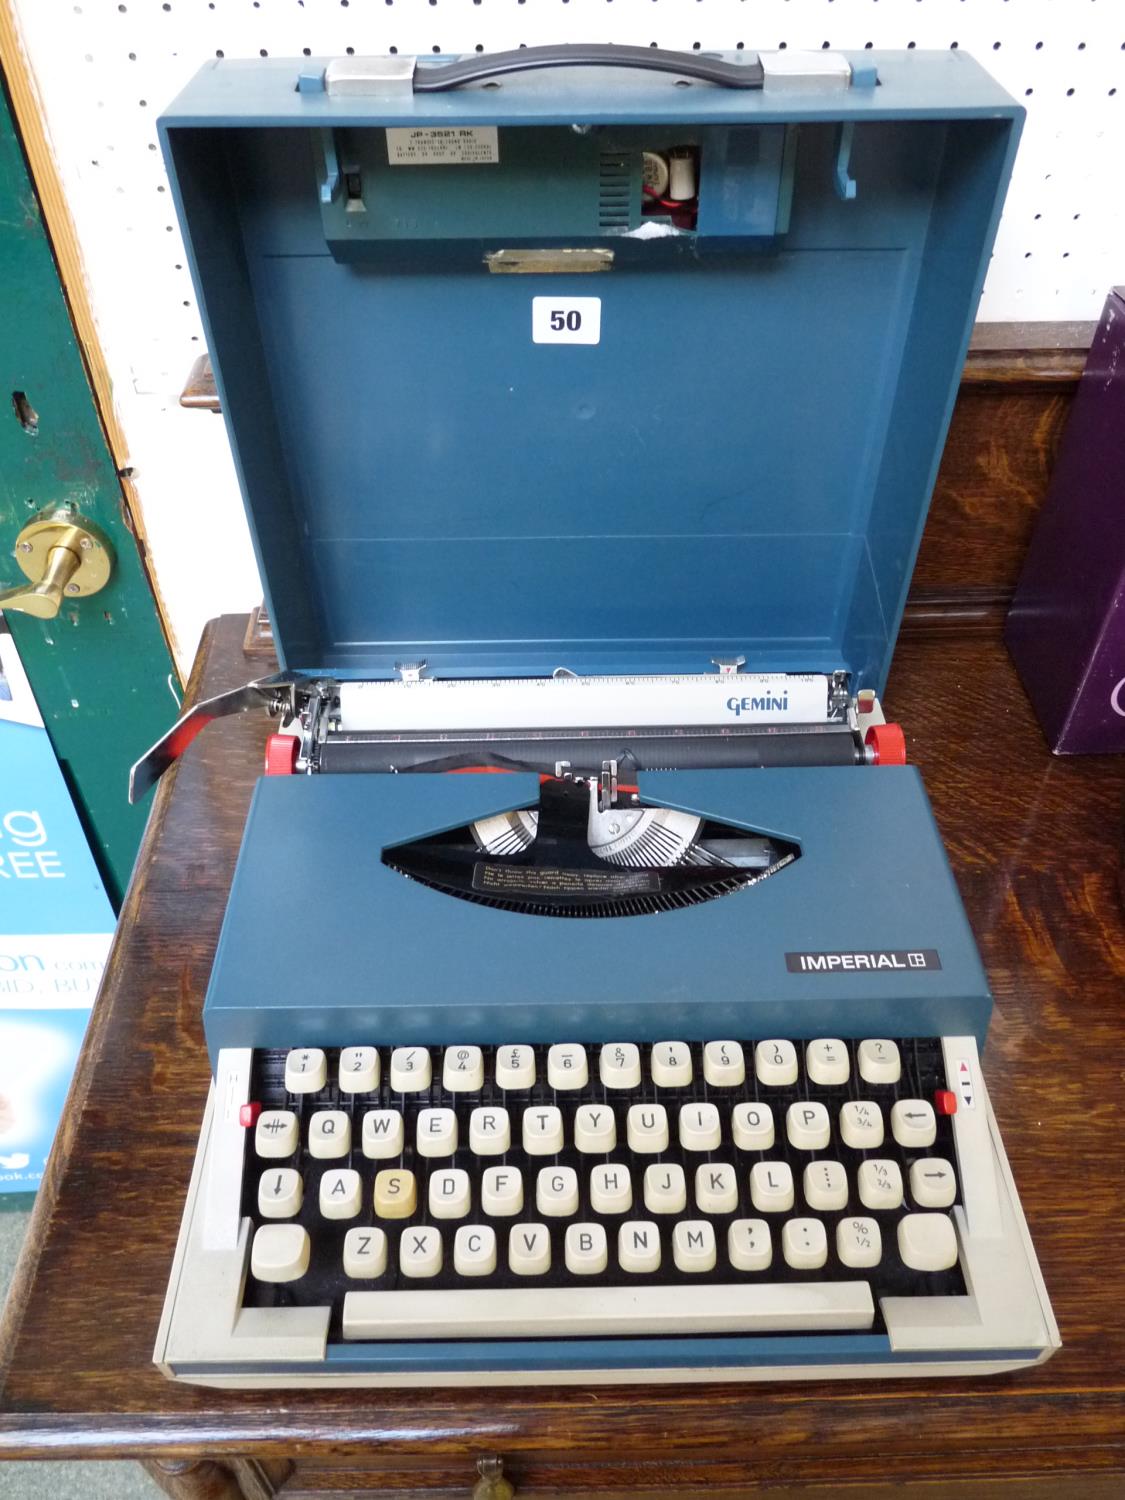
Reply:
x=863, y=962
x=458, y=145
x=541, y=880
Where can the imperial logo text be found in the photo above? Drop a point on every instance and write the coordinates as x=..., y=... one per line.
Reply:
x=866, y=961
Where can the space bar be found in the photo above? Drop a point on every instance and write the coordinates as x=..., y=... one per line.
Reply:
x=590, y=1312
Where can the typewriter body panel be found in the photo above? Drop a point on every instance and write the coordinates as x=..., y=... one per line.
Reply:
x=410, y=964
x=586, y=419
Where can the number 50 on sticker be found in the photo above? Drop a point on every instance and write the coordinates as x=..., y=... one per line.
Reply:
x=566, y=320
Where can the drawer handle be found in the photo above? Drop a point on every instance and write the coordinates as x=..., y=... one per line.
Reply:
x=492, y=1485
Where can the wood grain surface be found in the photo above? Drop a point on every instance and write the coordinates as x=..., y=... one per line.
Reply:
x=1034, y=842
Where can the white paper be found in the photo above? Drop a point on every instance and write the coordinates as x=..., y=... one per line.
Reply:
x=583, y=702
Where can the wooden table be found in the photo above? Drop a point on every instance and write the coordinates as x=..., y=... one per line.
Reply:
x=1035, y=843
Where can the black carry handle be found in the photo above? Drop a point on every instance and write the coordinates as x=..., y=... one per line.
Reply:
x=435, y=80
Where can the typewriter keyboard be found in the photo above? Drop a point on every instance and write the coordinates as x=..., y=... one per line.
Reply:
x=517, y=1190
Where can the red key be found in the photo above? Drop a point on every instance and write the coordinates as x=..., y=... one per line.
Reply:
x=248, y=1114
x=945, y=1101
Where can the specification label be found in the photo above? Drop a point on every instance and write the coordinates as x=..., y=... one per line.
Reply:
x=459, y=145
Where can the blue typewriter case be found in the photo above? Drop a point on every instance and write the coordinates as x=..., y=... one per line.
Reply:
x=739, y=466
x=612, y=394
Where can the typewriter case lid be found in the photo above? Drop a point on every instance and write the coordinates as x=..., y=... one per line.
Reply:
x=739, y=466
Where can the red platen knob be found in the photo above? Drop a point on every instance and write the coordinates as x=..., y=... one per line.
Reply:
x=887, y=743
x=281, y=754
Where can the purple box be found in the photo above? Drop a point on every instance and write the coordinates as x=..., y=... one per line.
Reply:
x=1066, y=627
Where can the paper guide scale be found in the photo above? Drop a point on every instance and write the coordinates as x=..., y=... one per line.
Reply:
x=586, y=405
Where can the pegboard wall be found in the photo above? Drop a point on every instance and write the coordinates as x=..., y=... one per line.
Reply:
x=105, y=69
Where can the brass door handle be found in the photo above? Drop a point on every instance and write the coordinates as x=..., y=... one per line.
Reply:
x=65, y=556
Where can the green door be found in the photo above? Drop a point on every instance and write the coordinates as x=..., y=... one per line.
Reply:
x=101, y=668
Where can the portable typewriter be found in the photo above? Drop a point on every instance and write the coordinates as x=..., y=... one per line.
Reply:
x=586, y=404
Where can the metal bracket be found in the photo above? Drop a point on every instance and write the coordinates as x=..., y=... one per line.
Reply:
x=565, y=261
x=279, y=694
x=390, y=77
x=410, y=671
x=839, y=695
x=845, y=182
x=607, y=786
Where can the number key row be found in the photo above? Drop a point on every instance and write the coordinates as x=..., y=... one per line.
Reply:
x=775, y=1065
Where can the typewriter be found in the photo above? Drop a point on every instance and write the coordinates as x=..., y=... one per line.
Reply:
x=594, y=1001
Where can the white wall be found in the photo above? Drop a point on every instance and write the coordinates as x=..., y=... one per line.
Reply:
x=105, y=69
